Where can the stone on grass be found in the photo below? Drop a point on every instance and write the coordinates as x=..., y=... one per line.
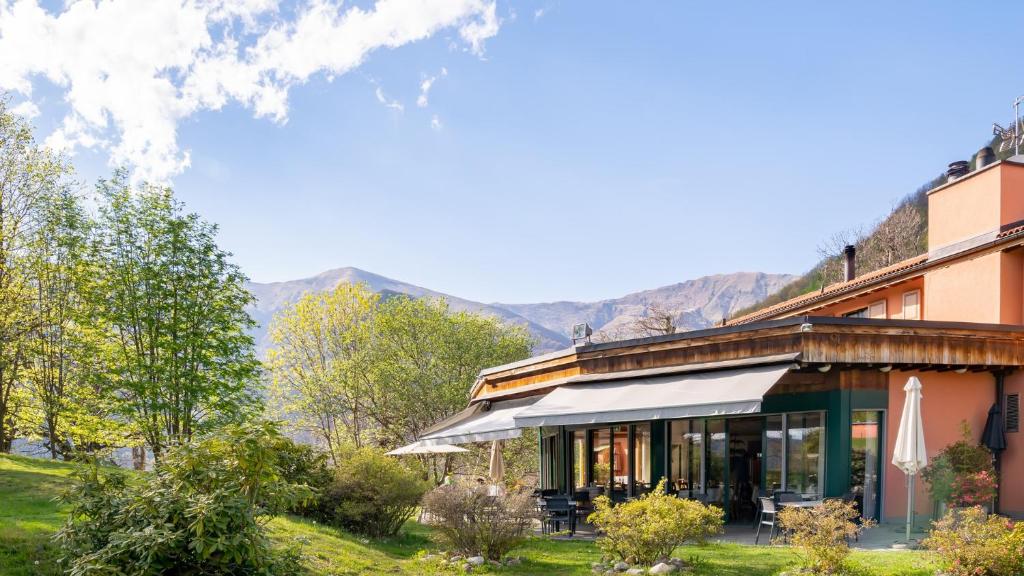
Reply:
x=663, y=568
x=476, y=560
x=514, y=561
x=635, y=571
x=620, y=567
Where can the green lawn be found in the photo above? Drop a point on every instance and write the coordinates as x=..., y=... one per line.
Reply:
x=29, y=515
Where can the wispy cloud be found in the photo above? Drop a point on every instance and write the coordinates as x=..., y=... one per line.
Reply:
x=435, y=122
x=132, y=70
x=26, y=109
x=383, y=99
x=424, y=98
x=539, y=13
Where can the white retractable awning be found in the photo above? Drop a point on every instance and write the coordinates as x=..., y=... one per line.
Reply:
x=496, y=423
x=681, y=396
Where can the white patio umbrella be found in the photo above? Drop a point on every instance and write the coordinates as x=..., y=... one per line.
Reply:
x=910, y=454
x=497, y=467
x=417, y=448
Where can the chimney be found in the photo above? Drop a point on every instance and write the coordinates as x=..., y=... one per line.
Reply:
x=851, y=267
x=984, y=157
x=956, y=170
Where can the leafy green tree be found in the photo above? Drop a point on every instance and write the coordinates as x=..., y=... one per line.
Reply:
x=27, y=174
x=174, y=308
x=319, y=347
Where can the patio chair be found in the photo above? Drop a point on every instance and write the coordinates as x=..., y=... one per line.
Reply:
x=769, y=517
x=584, y=505
x=557, y=510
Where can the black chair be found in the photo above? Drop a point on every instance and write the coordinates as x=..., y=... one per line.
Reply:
x=769, y=517
x=584, y=506
x=558, y=509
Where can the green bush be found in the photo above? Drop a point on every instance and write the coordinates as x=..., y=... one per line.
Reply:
x=371, y=494
x=200, y=512
x=651, y=527
x=970, y=542
x=961, y=474
x=822, y=533
x=304, y=464
x=470, y=521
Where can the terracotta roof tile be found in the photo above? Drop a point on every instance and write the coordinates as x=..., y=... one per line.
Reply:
x=832, y=290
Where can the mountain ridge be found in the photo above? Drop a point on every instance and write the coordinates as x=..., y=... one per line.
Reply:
x=696, y=303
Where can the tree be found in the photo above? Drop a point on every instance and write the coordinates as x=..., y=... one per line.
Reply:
x=27, y=174
x=424, y=360
x=319, y=344
x=174, y=307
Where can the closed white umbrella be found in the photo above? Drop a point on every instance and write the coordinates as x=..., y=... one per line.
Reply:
x=497, y=467
x=910, y=455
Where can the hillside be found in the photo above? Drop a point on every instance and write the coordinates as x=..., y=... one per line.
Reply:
x=692, y=304
x=901, y=234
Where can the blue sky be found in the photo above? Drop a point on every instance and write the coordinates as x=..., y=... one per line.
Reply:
x=590, y=149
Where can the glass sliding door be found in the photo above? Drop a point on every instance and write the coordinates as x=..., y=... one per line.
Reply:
x=773, y=449
x=805, y=453
x=579, y=459
x=865, y=462
x=686, y=443
x=717, y=452
x=641, y=459
x=601, y=458
x=620, y=463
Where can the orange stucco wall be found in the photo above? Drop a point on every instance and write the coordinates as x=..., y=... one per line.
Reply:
x=947, y=399
x=893, y=301
x=965, y=209
x=1011, y=494
x=968, y=291
x=1012, y=205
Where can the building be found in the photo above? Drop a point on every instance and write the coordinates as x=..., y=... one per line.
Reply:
x=804, y=395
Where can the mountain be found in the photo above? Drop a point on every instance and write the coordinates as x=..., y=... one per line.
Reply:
x=692, y=304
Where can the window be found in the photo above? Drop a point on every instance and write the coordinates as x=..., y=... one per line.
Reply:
x=641, y=459
x=1013, y=412
x=601, y=457
x=685, y=445
x=716, y=455
x=873, y=310
x=579, y=459
x=912, y=305
x=773, y=453
x=805, y=453
x=620, y=462
x=865, y=473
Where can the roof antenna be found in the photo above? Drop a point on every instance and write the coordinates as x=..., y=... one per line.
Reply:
x=1008, y=135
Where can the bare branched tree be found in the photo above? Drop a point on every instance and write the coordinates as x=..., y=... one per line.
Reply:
x=896, y=238
x=831, y=253
x=655, y=322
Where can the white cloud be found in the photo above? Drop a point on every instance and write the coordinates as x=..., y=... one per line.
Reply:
x=539, y=13
x=435, y=122
x=27, y=110
x=132, y=70
x=383, y=99
x=424, y=98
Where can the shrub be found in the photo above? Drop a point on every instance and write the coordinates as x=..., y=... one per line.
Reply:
x=962, y=473
x=651, y=527
x=371, y=494
x=304, y=464
x=200, y=512
x=970, y=542
x=469, y=521
x=821, y=533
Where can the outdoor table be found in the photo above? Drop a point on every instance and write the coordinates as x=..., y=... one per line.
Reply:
x=802, y=504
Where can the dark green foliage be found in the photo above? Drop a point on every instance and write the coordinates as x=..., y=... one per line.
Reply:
x=371, y=494
x=201, y=512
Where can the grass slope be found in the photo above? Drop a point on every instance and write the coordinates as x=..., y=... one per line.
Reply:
x=29, y=515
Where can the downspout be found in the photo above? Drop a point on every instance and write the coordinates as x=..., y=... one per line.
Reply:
x=997, y=455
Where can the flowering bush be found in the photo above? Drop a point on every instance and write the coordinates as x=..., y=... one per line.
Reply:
x=822, y=533
x=974, y=489
x=970, y=542
x=648, y=528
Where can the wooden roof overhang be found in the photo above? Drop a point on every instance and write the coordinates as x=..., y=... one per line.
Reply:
x=811, y=343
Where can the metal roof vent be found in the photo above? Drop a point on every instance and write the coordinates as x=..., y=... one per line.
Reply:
x=984, y=157
x=956, y=170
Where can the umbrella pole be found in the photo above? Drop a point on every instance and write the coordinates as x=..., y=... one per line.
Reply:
x=910, y=506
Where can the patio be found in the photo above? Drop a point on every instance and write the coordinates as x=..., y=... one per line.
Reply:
x=880, y=537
